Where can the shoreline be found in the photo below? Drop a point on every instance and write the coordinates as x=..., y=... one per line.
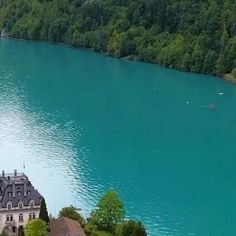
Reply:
x=230, y=78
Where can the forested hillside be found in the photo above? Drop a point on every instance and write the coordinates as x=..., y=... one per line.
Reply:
x=193, y=35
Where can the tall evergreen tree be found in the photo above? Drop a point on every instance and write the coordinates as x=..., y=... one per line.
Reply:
x=43, y=214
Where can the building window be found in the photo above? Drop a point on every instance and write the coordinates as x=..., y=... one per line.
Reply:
x=9, y=218
x=30, y=216
x=33, y=215
x=21, y=219
x=14, y=229
x=10, y=194
x=18, y=193
x=28, y=192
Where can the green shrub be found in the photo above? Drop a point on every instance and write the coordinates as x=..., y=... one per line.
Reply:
x=36, y=227
x=3, y=233
x=130, y=228
x=90, y=230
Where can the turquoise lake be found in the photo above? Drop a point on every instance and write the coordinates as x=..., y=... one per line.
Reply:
x=83, y=122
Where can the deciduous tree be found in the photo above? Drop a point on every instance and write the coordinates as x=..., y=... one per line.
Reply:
x=109, y=211
x=36, y=227
x=72, y=213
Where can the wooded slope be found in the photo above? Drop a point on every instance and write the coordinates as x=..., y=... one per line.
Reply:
x=192, y=35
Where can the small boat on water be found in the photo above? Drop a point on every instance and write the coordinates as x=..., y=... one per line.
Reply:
x=211, y=106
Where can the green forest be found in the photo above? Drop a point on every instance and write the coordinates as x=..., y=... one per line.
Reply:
x=191, y=35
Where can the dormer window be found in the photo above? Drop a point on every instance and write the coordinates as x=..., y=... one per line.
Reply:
x=9, y=205
x=31, y=204
x=20, y=205
x=28, y=192
x=18, y=193
x=9, y=194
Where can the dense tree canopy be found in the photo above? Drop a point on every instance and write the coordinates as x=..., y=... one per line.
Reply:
x=192, y=35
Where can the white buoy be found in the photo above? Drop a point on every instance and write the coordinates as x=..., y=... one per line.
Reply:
x=220, y=94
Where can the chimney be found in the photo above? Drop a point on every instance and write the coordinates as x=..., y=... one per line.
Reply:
x=3, y=173
x=13, y=189
x=15, y=173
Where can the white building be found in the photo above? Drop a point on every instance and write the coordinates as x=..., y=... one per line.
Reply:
x=19, y=202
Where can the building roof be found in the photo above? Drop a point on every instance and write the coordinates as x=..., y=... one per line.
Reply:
x=17, y=188
x=65, y=227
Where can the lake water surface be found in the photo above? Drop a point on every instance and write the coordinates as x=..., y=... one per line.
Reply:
x=84, y=122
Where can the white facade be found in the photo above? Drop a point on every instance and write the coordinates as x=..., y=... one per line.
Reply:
x=11, y=220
